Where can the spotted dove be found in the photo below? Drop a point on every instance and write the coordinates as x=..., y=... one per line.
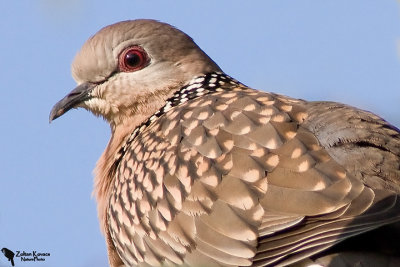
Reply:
x=202, y=170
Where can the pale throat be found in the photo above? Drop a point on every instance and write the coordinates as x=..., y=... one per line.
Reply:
x=129, y=118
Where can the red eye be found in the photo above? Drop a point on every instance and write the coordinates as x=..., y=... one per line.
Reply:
x=132, y=59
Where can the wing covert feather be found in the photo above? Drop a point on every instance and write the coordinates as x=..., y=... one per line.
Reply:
x=232, y=176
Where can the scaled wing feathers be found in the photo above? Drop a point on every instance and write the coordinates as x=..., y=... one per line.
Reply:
x=220, y=178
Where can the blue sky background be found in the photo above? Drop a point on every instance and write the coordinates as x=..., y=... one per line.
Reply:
x=340, y=50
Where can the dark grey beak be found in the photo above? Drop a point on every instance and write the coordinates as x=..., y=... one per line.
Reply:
x=76, y=97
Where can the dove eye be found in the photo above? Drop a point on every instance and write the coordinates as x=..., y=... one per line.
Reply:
x=133, y=58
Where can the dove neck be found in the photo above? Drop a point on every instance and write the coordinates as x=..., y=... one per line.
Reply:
x=124, y=132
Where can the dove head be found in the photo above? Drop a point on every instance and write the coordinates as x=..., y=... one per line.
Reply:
x=130, y=68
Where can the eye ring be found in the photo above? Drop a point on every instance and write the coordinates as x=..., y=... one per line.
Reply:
x=133, y=58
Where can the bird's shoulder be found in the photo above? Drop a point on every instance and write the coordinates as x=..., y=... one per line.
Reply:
x=362, y=142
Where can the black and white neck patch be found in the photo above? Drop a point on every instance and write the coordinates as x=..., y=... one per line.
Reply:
x=198, y=86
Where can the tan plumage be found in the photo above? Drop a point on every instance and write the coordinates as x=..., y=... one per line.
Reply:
x=202, y=170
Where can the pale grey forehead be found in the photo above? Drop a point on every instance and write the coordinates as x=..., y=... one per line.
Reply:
x=98, y=57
